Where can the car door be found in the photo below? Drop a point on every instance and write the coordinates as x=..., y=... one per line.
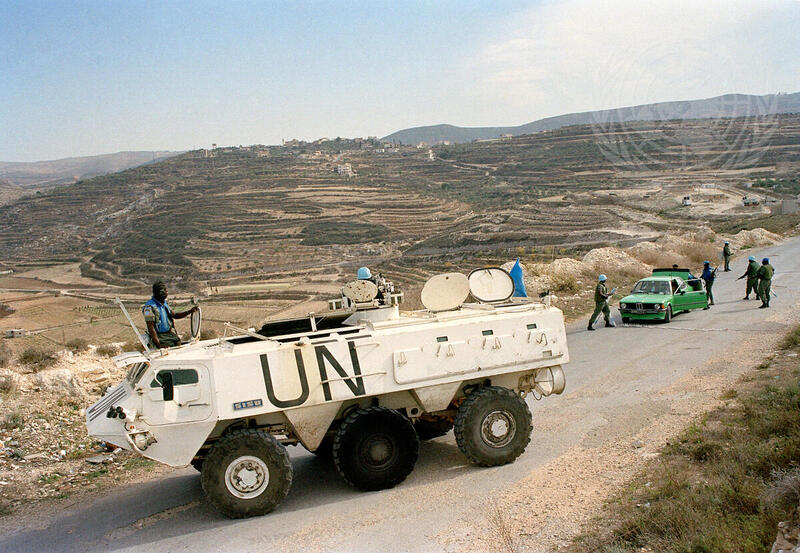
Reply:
x=191, y=395
x=691, y=298
x=680, y=299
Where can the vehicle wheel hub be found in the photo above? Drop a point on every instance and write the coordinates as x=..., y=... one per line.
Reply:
x=378, y=452
x=247, y=477
x=498, y=429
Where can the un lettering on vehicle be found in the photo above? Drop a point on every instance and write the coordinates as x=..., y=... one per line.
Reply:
x=312, y=374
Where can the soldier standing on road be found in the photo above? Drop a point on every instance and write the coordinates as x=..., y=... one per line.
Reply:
x=752, y=279
x=764, y=274
x=726, y=255
x=601, y=295
x=708, y=276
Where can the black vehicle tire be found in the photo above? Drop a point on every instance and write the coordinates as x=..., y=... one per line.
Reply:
x=475, y=431
x=246, y=473
x=427, y=429
x=375, y=448
x=197, y=463
x=626, y=320
x=668, y=314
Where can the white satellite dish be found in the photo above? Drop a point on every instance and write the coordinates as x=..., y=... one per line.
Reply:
x=491, y=284
x=445, y=292
x=360, y=291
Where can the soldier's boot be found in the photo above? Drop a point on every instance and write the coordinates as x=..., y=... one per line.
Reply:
x=747, y=297
x=590, y=327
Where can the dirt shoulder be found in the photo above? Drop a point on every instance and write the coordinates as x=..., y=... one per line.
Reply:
x=47, y=461
x=544, y=511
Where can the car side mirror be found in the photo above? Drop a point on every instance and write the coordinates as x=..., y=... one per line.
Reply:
x=168, y=385
x=682, y=291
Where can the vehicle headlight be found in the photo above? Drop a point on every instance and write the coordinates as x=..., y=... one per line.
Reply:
x=622, y=305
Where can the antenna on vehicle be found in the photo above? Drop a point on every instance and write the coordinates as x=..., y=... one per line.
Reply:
x=133, y=325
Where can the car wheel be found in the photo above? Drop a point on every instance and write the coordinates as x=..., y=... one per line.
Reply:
x=626, y=320
x=375, y=448
x=247, y=473
x=493, y=426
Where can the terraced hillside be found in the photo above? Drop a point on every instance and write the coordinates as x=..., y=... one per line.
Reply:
x=258, y=212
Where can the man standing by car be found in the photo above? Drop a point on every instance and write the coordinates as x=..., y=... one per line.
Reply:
x=764, y=274
x=726, y=255
x=601, y=295
x=752, y=279
x=708, y=277
x=160, y=318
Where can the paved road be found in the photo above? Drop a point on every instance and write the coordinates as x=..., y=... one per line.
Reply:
x=611, y=382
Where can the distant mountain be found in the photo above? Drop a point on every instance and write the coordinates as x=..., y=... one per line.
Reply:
x=42, y=174
x=729, y=105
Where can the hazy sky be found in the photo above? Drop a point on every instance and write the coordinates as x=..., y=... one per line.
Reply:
x=83, y=78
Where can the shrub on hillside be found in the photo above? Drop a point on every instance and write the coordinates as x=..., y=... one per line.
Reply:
x=565, y=284
x=658, y=258
x=37, y=358
x=77, y=345
x=132, y=345
x=13, y=420
x=5, y=354
x=109, y=350
x=697, y=252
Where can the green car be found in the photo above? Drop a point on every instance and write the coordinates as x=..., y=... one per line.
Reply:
x=666, y=293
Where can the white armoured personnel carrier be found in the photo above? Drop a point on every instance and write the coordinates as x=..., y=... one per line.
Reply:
x=362, y=383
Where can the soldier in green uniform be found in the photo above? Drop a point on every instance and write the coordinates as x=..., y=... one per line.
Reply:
x=750, y=275
x=726, y=254
x=764, y=274
x=601, y=295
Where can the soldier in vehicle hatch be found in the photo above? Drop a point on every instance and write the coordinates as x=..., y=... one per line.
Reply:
x=765, y=274
x=601, y=295
x=160, y=318
x=752, y=279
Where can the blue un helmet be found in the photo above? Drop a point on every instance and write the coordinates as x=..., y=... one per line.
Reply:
x=727, y=242
x=602, y=278
x=751, y=258
x=765, y=260
x=706, y=263
x=364, y=273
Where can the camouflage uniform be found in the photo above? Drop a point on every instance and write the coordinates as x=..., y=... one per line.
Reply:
x=764, y=274
x=601, y=296
x=752, y=279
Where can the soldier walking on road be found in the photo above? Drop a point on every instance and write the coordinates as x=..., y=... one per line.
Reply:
x=726, y=255
x=764, y=274
x=752, y=279
x=708, y=276
x=601, y=295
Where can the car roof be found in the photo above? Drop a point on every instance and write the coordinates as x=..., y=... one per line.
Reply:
x=659, y=278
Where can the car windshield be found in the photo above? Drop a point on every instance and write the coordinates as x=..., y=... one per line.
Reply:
x=652, y=287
